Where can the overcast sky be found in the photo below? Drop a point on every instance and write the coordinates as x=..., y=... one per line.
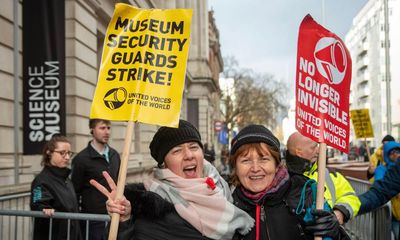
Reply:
x=262, y=34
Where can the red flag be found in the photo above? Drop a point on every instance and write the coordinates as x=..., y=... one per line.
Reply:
x=323, y=78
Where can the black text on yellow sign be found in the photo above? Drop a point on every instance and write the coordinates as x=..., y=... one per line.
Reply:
x=143, y=65
x=361, y=123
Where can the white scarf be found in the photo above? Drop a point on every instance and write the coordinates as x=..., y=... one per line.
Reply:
x=211, y=212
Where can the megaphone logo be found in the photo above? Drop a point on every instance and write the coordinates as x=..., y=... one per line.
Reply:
x=115, y=98
x=331, y=59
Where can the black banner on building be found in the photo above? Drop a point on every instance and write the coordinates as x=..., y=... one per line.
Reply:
x=43, y=72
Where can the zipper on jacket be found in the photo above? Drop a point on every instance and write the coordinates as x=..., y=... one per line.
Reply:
x=258, y=209
x=264, y=218
x=262, y=213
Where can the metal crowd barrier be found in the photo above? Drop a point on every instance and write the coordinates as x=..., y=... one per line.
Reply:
x=20, y=232
x=17, y=222
x=375, y=225
x=8, y=230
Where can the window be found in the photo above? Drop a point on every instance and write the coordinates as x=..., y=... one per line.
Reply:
x=193, y=111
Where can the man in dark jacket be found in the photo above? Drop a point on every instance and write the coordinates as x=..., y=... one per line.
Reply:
x=97, y=157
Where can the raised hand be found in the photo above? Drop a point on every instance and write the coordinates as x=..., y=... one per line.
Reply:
x=113, y=205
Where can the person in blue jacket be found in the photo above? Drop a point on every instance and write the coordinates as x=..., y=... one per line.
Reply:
x=382, y=190
x=391, y=155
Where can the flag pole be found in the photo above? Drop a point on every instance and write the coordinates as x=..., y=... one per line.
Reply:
x=121, y=179
x=321, y=178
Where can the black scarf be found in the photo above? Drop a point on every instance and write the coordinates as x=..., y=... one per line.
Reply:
x=297, y=164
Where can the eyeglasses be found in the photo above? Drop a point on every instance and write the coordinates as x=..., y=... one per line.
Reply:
x=65, y=153
x=395, y=151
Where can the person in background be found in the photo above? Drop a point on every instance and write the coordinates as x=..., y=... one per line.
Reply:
x=302, y=157
x=225, y=168
x=391, y=156
x=362, y=151
x=184, y=197
x=391, y=152
x=224, y=157
x=209, y=154
x=382, y=191
x=276, y=198
x=386, y=178
x=377, y=157
x=344, y=157
x=52, y=191
x=88, y=164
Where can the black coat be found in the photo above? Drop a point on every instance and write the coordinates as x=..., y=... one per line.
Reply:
x=154, y=218
x=89, y=164
x=53, y=189
x=278, y=220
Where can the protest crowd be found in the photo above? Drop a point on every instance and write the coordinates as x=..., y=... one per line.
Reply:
x=262, y=194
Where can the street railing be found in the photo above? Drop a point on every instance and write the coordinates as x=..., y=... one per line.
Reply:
x=8, y=230
x=374, y=225
x=17, y=222
x=359, y=186
x=18, y=231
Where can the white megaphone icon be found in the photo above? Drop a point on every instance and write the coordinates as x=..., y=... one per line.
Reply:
x=115, y=98
x=331, y=60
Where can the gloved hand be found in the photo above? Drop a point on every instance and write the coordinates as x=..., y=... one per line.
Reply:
x=325, y=224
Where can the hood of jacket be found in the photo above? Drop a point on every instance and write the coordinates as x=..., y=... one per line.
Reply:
x=386, y=149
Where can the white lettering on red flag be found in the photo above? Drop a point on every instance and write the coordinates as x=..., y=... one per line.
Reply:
x=323, y=77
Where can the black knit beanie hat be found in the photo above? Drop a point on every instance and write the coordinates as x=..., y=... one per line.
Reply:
x=166, y=138
x=254, y=134
x=387, y=138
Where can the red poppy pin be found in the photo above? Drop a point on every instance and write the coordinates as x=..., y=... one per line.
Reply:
x=210, y=182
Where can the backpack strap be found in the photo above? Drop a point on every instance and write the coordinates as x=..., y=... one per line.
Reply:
x=307, y=210
x=300, y=207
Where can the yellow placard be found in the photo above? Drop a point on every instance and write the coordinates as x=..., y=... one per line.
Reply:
x=143, y=66
x=362, y=123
